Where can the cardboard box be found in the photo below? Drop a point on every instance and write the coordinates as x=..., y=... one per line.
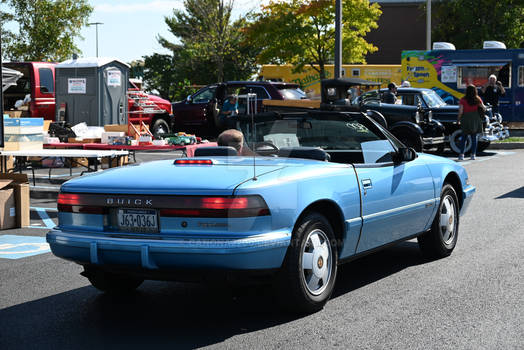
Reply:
x=7, y=205
x=108, y=134
x=114, y=161
x=116, y=128
x=19, y=209
x=18, y=114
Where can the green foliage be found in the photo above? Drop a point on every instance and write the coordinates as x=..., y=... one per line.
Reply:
x=211, y=45
x=302, y=32
x=46, y=28
x=468, y=23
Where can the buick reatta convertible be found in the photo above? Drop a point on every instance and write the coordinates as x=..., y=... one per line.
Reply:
x=322, y=188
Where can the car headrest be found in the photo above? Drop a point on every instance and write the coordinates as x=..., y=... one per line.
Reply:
x=304, y=152
x=224, y=151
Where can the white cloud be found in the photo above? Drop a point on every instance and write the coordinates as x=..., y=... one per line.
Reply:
x=162, y=6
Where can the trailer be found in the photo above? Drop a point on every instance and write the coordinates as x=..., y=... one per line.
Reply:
x=448, y=71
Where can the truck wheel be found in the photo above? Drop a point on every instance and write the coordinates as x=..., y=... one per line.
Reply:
x=308, y=274
x=454, y=142
x=410, y=139
x=483, y=145
x=111, y=282
x=160, y=127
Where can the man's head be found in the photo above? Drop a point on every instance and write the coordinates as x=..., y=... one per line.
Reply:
x=492, y=79
x=392, y=87
x=233, y=138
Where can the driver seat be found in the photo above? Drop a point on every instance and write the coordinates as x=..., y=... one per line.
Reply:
x=304, y=152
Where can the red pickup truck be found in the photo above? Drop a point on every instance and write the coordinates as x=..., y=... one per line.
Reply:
x=38, y=81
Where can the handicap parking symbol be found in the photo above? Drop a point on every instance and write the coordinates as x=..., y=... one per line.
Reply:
x=16, y=247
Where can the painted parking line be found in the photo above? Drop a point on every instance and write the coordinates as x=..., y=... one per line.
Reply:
x=46, y=222
x=16, y=247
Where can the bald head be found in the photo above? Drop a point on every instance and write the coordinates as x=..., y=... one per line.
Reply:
x=231, y=137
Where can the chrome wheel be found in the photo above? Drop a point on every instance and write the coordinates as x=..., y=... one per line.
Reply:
x=448, y=219
x=455, y=139
x=316, y=262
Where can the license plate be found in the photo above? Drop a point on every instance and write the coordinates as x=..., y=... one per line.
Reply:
x=138, y=220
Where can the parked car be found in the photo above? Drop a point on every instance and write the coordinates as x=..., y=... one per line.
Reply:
x=334, y=187
x=434, y=107
x=199, y=112
x=408, y=123
x=38, y=81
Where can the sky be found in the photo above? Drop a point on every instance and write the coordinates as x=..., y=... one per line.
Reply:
x=130, y=27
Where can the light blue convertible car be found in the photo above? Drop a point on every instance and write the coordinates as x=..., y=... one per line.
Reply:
x=321, y=189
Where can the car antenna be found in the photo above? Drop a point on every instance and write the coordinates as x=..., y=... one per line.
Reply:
x=252, y=112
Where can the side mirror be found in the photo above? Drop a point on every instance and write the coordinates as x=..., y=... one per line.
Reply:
x=405, y=154
x=189, y=99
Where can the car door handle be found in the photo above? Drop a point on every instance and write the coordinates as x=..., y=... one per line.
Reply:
x=366, y=184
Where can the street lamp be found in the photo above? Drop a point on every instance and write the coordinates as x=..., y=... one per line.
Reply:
x=96, y=24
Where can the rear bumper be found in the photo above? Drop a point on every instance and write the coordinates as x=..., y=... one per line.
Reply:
x=259, y=252
x=468, y=193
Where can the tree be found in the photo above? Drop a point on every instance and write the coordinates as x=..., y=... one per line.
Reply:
x=210, y=46
x=302, y=32
x=468, y=23
x=46, y=28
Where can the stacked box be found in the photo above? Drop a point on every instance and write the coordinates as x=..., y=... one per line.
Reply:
x=23, y=134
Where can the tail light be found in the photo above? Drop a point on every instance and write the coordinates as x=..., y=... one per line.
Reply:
x=193, y=162
x=217, y=207
x=73, y=203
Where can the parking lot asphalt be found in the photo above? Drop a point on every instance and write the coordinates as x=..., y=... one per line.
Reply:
x=391, y=299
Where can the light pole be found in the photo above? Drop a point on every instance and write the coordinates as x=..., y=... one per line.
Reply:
x=428, y=25
x=96, y=24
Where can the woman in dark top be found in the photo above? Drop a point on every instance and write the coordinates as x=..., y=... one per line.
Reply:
x=470, y=118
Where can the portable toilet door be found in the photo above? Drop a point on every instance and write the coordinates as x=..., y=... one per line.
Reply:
x=113, y=93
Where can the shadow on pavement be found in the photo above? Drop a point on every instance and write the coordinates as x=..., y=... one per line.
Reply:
x=518, y=193
x=169, y=314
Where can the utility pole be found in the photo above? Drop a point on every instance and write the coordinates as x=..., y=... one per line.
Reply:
x=428, y=25
x=338, y=38
x=96, y=24
x=1, y=98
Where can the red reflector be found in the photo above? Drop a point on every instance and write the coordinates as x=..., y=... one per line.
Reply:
x=69, y=198
x=193, y=162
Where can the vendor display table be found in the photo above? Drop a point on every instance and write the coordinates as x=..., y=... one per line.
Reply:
x=188, y=150
x=92, y=156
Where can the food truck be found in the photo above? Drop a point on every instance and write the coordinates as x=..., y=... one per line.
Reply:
x=449, y=71
x=309, y=79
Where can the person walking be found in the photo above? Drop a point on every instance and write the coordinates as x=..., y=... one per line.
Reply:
x=470, y=118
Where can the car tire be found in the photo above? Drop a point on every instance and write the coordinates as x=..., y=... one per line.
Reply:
x=160, y=127
x=308, y=274
x=441, y=239
x=410, y=139
x=483, y=145
x=454, y=142
x=112, y=283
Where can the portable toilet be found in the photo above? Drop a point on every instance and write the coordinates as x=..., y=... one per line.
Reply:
x=92, y=90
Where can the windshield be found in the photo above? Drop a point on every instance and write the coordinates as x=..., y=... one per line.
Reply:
x=346, y=137
x=293, y=94
x=432, y=99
